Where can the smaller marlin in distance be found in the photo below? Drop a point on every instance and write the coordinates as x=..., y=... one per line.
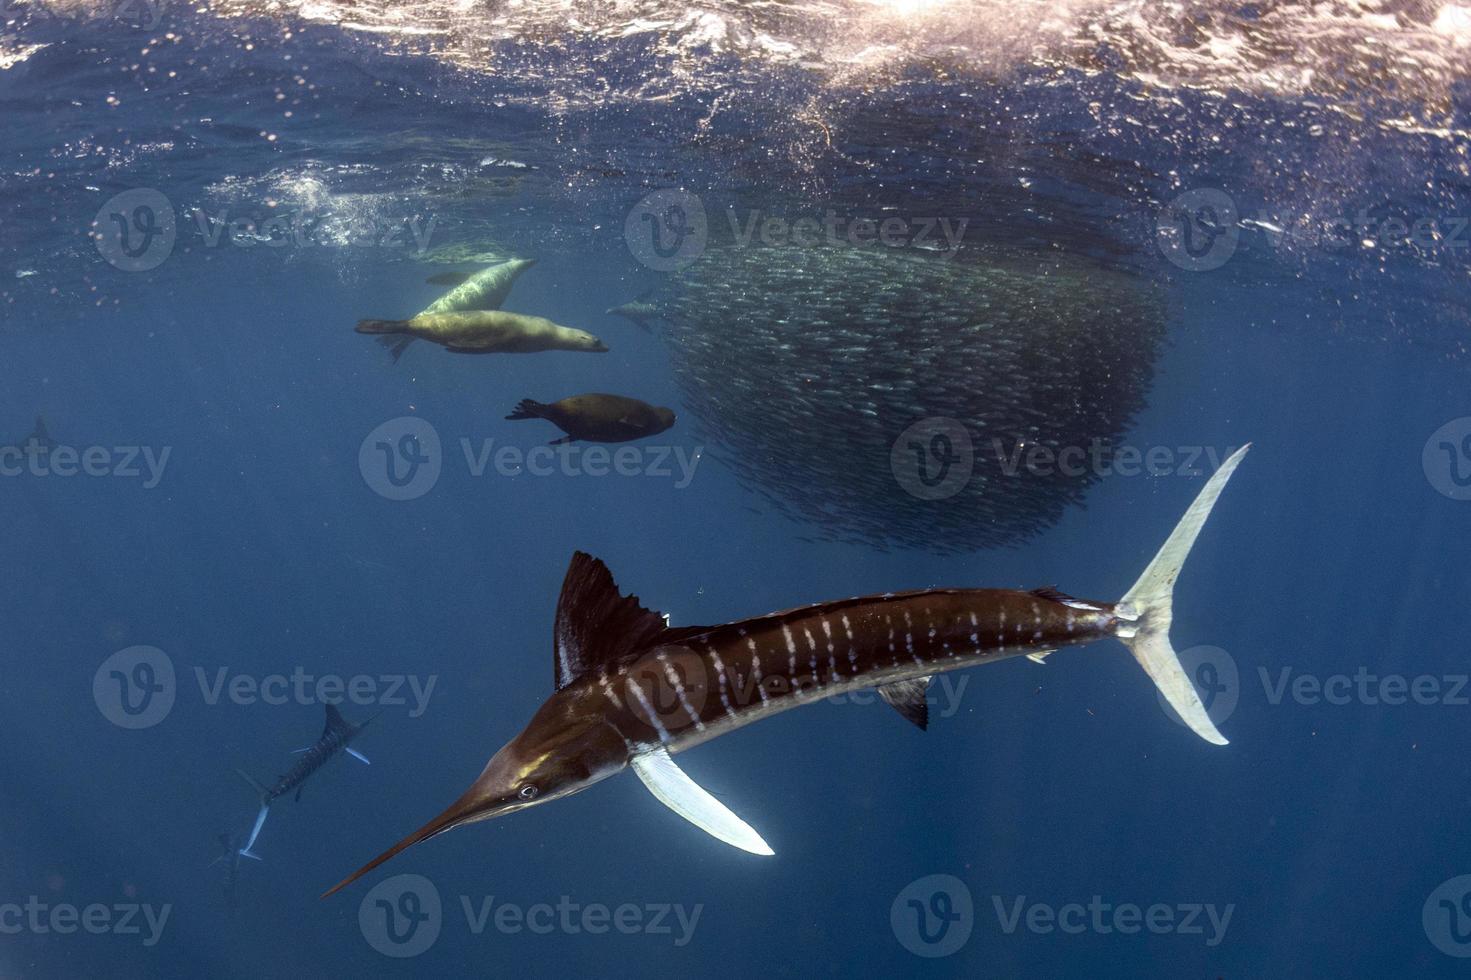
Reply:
x=335, y=736
x=631, y=690
x=230, y=855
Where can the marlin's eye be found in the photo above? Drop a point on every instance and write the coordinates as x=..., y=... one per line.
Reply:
x=527, y=792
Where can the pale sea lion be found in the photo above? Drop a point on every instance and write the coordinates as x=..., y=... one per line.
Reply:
x=484, y=290
x=487, y=332
x=598, y=418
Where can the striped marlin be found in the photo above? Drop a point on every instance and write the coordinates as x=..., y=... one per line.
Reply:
x=335, y=736
x=631, y=691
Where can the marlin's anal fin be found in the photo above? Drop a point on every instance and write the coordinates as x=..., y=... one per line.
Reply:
x=684, y=796
x=357, y=755
x=1040, y=657
x=908, y=698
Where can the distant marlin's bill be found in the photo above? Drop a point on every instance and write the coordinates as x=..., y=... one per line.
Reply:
x=632, y=691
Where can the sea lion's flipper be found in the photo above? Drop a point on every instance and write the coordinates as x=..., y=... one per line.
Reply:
x=527, y=408
x=396, y=346
x=564, y=439
x=382, y=326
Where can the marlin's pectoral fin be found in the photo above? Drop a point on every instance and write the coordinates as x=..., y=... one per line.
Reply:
x=357, y=755
x=253, y=857
x=684, y=796
x=1040, y=657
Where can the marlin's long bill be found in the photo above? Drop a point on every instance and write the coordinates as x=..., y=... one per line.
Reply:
x=631, y=691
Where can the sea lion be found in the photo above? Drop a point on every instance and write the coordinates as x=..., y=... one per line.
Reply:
x=487, y=332
x=639, y=310
x=484, y=290
x=598, y=418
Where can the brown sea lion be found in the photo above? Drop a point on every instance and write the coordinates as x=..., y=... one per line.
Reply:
x=598, y=418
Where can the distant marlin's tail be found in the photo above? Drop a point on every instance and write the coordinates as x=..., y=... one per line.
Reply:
x=260, y=818
x=527, y=409
x=1148, y=610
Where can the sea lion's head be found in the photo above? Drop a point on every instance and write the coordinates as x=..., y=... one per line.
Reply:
x=584, y=341
x=663, y=418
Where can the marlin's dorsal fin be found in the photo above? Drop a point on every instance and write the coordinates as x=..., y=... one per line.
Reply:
x=907, y=698
x=1051, y=592
x=596, y=625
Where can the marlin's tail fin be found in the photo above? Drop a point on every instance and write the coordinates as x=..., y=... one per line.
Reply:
x=260, y=818
x=1149, y=607
x=527, y=409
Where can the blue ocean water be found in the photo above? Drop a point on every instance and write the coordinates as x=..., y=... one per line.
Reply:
x=241, y=537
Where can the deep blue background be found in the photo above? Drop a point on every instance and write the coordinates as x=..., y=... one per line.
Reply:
x=263, y=550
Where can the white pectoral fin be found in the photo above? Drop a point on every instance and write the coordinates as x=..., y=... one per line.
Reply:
x=684, y=796
x=357, y=755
